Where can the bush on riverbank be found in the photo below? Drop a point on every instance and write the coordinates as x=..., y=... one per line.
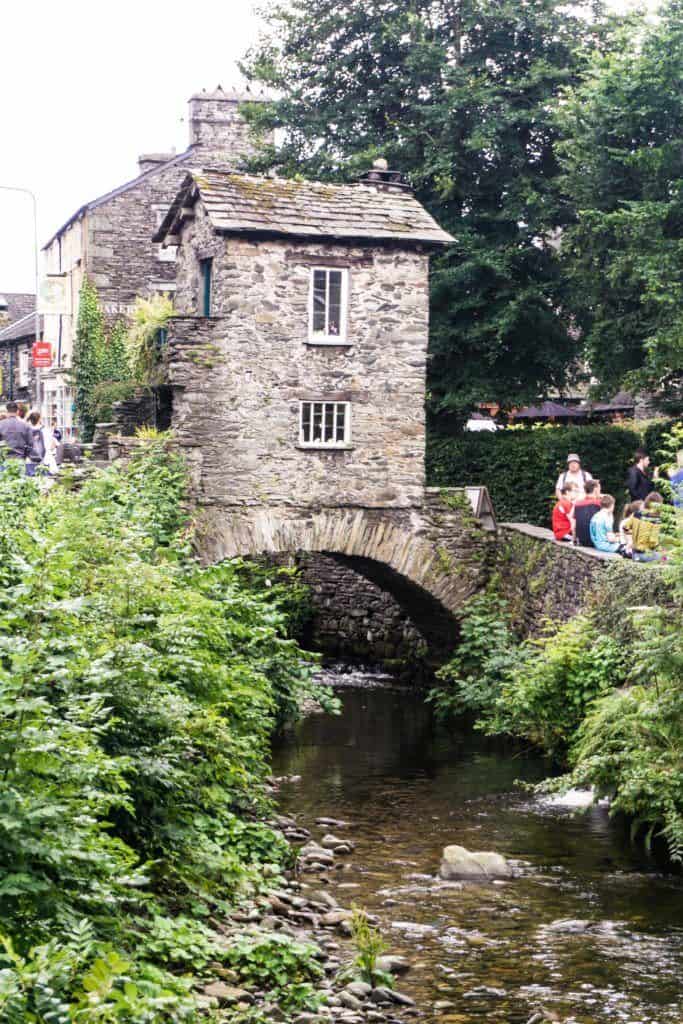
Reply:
x=138, y=693
x=520, y=467
x=602, y=693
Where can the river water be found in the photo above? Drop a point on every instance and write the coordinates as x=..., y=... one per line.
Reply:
x=590, y=930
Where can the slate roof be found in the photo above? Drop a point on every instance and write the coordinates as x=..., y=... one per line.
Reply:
x=24, y=327
x=94, y=203
x=246, y=204
x=18, y=304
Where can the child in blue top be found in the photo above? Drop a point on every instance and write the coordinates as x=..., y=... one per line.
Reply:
x=602, y=527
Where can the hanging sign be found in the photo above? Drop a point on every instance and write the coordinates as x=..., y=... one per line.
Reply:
x=42, y=354
x=54, y=296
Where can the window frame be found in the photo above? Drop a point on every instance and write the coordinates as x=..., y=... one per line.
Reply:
x=314, y=337
x=206, y=285
x=24, y=367
x=164, y=253
x=333, y=445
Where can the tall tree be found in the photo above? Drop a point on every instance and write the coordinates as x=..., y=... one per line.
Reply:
x=623, y=164
x=458, y=95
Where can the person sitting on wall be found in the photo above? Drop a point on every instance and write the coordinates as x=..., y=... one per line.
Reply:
x=602, y=528
x=676, y=481
x=573, y=475
x=638, y=483
x=625, y=535
x=645, y=526
x=563, y=519
x=584, y=510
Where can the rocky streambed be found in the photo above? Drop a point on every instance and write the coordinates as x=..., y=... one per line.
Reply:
x=580, y=928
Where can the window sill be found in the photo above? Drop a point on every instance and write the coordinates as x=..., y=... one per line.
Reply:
x=326, y=447
x=329, y=342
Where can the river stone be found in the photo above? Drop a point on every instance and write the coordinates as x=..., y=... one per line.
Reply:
x=359, y=989
x=457, y=862
x=350, y=1001
x=393, y=964
x=227, y=994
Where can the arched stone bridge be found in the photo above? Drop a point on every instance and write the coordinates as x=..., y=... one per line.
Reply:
x=430, y=559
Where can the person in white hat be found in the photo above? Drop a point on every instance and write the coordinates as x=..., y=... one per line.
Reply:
x=574, y=476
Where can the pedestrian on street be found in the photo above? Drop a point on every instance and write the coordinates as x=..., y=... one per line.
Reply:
x=638, y=483
x=15, y=435
x=574, y=476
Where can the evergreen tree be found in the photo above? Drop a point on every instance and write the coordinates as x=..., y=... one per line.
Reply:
x=89, y=347
x=459, y=96
x=623, y=163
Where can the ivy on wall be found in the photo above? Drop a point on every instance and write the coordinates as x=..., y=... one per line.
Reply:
x=98, y=359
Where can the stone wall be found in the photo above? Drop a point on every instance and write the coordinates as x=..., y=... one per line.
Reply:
x=543, y=578
x=354, y=618
x=239, y=377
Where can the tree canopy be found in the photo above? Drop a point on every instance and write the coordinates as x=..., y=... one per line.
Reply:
x=459, y=96
x=622, y=157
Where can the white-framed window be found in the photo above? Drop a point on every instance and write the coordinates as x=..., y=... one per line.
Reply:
x=24, y=367
x=328, y=304
x=324, y=424
x=165, y=254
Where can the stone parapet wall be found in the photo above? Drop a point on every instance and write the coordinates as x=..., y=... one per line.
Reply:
x=542, y=578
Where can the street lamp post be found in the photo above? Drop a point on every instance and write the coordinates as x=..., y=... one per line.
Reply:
x=28, y=192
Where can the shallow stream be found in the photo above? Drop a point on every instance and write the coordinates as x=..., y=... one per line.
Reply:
x=590, y=930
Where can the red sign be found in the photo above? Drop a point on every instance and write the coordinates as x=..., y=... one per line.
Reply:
x=42, y=353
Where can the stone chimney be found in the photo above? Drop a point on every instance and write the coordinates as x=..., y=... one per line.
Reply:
x=218, y=131
x=381, y=177
x=146, y=161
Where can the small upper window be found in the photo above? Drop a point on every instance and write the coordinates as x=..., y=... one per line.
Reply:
x=206, y=273
x=325, y=424
x=328, y=302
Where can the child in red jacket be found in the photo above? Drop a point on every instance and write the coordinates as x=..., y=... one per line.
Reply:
x=562, y=516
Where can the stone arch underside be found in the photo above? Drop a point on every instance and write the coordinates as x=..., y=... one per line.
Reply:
x=396, y=548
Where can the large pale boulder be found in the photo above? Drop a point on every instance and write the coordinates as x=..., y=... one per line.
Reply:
x=459, y=863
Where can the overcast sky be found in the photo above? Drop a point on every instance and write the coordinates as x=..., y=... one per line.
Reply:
x=86, y=87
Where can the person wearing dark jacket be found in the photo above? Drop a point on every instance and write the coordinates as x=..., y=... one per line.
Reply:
x=15, y=435
x=583, y=513
x=638, y=483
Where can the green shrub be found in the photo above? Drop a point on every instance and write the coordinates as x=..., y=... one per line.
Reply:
x=138, y=693
x=545, y=697
x=520, y=467
x=106, y=394
x=280, y=965
x=486, y=651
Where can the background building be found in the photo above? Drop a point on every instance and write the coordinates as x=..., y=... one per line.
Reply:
x=110, y=238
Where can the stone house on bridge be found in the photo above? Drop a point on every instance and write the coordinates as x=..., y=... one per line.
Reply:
x=296, y=368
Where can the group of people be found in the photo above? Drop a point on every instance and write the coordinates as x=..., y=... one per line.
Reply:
x=584, y=515
x=24, y=437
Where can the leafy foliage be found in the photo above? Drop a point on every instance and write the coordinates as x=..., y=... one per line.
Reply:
x=520, y=467
x=485, y=654
x=150, y=316
x=545, y=696
x=623, y=171
x=97, y=359
x=279, y=964
x=138, y=692
x=459, y=97
x=370, y=945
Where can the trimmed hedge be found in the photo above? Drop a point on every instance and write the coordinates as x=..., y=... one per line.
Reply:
x=520, y=467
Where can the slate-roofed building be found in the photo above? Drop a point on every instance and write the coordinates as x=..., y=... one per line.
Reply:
x=17, y=334
x=297, y=361
x=110, y=238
